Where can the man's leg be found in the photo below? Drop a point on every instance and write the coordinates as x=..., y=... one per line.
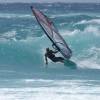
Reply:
x=58, y=59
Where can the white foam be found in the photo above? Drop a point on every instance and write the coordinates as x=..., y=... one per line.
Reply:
x=6, y=15
x=65, y=15
x=81, y=22
x=11, y=35
x=92, y=30
x=8, y=36
x=45, y=10
x=90, y=59
x=49, y=5
x=49, y=90
x=69, y=33
x=92, y=21
x=88, y=63
x=63, y=24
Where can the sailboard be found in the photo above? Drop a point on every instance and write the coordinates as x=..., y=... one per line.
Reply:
x=52, y=33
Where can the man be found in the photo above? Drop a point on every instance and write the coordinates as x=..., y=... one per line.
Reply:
x=51, y=55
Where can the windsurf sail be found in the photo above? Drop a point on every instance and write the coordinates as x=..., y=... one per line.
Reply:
x=52, y=33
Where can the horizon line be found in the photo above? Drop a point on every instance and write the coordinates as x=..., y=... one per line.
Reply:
x=47, y=2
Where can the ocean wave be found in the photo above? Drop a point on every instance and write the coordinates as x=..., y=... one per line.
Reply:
x=90, y=29
x=7, y=15
x=90, y=57
x=93, y=21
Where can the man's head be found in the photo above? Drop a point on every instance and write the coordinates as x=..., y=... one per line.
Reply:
x=47, y=49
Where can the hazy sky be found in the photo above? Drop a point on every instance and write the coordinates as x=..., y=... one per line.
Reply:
x=97, y=1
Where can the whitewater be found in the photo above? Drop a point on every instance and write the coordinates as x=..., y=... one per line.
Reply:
x=23, y=73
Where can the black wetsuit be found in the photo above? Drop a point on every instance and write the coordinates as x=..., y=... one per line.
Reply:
x=50, y=55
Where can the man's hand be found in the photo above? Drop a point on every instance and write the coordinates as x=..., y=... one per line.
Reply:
x=46, y=63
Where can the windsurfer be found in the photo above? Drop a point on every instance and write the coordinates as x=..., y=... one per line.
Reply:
x=51, y=55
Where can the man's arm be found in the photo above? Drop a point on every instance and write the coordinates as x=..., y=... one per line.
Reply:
x=56, y=51
x=46, y=59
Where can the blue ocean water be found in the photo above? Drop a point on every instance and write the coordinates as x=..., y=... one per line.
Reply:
x=23, y=73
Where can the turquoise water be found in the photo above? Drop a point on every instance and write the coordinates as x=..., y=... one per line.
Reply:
x=23, y=73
